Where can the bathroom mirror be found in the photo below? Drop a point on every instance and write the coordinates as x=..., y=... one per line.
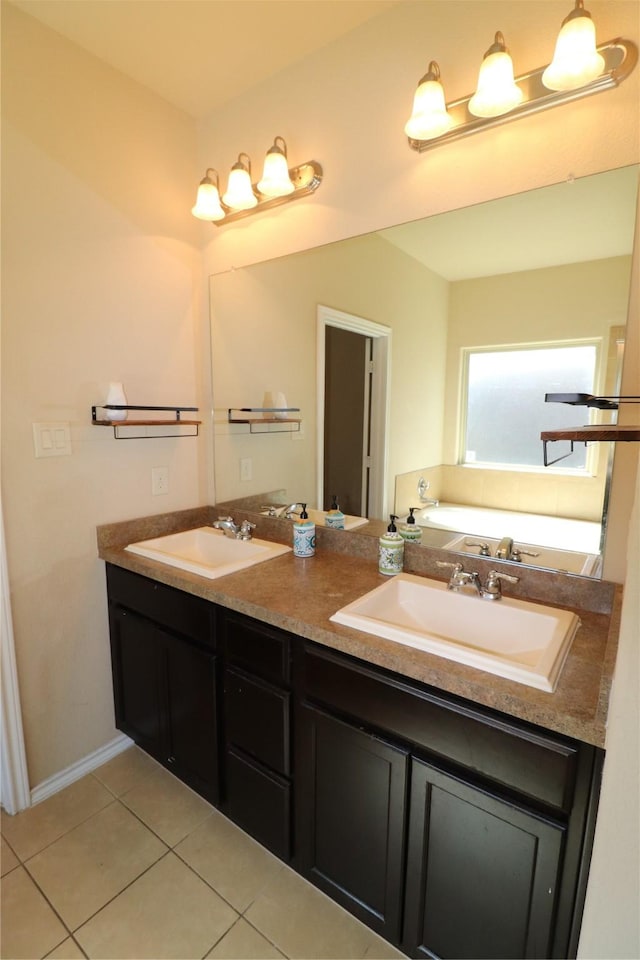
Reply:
x=545, y=267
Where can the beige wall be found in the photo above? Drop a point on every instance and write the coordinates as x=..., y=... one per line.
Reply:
x=101, y=280
x=263, y=331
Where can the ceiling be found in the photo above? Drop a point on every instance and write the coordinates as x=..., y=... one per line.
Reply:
x=199, y=54
x=592, y=218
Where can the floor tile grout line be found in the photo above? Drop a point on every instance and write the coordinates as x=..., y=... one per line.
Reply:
x=65, y=832
x=44, y=896
x=116, y=895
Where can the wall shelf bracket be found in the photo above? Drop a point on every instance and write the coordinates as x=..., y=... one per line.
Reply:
x=262, y=419
x=140, y=429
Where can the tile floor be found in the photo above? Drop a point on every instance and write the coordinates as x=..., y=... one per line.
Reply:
x=129, y=863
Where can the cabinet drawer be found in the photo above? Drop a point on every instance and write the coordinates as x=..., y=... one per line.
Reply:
x=257, y=720
x=174, y=609
x=518, y=757
x=253, y=646
x=260, y=803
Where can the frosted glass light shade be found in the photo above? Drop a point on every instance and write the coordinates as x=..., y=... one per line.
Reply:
x=239, y=194
x=276, y=181
x=497, y=92
x=575, y=60
x=207, y=206
x=429, y=118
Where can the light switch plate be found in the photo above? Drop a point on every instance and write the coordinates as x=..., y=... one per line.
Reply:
x=52, y=438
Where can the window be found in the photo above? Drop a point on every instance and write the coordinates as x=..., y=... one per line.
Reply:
x=505, y=405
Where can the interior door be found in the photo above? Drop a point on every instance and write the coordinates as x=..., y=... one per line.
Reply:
x=347, y=420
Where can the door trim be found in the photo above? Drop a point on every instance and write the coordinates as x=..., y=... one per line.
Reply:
x=381, y=337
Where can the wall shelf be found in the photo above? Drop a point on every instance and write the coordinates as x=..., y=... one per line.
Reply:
x=260, y=420
x=594, y=432
x=145, y=428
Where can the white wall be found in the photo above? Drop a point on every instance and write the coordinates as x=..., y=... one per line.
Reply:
x=101, y=281
x=346, y=107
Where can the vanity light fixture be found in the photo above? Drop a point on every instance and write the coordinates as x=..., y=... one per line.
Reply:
x=576, y=60
x=497, y=92
x=279, y=184
x=429, y=117
x=240, y=195
x=207, y=206
x=579, y=68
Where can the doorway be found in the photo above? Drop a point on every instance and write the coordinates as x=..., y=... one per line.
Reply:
x=353, y=378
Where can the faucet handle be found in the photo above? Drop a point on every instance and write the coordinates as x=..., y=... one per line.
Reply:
x=484, y=547
x=493, y=587
x=518, y=554
x=245, y=530
x=456, y=567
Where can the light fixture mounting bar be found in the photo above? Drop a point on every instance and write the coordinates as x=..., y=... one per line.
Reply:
x=620, y=56
x=306, y=178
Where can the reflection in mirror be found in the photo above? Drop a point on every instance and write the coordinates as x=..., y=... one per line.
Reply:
x=545, y=269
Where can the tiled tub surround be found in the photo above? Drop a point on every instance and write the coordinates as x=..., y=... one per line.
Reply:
x=300, y=596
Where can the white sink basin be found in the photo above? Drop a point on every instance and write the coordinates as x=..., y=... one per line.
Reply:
x=207, y=552
x=569, y=561
x=522, y=641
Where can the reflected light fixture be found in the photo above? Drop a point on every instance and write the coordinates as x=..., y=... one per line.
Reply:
x=276, y=181
x=579, y=68
x=429, y=117
x=497, y=91
x=576, y=60
x=279, y=184
x=207, y=206
x=239, y=194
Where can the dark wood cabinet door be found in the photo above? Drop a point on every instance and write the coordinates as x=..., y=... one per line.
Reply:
x=350, y=801
x=482, y=873
x=192, y=729
x=136, y=659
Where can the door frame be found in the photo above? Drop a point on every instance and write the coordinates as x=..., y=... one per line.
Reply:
x=380, y=417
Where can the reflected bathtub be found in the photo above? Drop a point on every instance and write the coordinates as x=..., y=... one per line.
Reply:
x=577, y=541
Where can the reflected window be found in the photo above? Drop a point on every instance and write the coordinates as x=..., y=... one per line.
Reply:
x=505, y=409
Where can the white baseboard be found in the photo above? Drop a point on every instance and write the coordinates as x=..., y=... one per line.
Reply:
x=80, y=769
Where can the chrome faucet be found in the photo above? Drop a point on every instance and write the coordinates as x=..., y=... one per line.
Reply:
x=423, y=486
x=506, y=550
x=231, y=529
x=285, y=512
x=460, y=578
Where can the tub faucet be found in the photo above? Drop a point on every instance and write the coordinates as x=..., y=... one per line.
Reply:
x=423, y=486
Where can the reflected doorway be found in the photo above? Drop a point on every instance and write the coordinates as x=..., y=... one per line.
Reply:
x=353, y=379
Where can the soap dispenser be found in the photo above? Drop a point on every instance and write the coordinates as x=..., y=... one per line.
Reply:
x=304, y=535
x=409, y=530
x=335, y=517
x=391, y=550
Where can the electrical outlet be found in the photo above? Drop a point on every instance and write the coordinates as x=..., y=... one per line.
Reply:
x=159, y=480
x=246, y=468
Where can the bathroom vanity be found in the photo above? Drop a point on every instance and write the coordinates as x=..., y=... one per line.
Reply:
x=450, y=810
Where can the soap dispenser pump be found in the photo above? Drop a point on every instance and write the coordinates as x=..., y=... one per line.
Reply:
x=304, y=535
x=391, y=550
x=409, y=530
x=335, y=517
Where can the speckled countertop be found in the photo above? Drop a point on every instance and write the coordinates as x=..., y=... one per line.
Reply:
x=300, y=596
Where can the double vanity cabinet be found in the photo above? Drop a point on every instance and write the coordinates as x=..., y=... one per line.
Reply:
x=451, y=829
